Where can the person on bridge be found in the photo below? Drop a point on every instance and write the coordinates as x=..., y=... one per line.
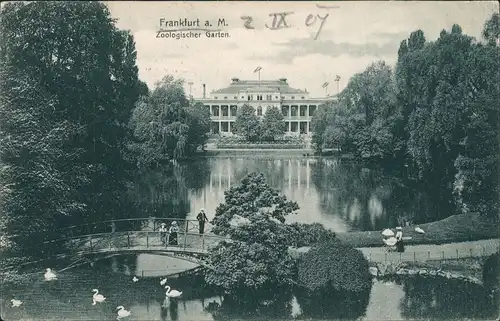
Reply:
x=202, y=218
x=163, y=233
x=400, y=247
x=173, y=230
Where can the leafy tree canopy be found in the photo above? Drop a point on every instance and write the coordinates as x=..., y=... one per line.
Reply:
x=256, y=258
x=166, y=125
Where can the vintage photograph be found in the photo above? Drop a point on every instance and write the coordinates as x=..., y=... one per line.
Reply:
x=239, y=160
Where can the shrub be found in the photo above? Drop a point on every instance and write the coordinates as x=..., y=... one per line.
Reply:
x=308, y=234
x=334, y=265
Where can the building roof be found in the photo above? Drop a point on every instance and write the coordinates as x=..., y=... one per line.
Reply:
x=279, y=85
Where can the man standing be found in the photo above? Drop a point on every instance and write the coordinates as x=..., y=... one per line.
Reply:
x=202, y=218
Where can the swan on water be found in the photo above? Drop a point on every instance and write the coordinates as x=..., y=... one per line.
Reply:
x=97, y=297
x=163, y=282
x=49, y=275
x=122, y=313
x=135, y=279
x=172, y=293
x=419, y=230
x=16, y=303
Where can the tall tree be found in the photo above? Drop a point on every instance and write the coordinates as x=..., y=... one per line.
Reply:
x=166, y=125
x=86, y=82
x=273, y=124
x=247, y=123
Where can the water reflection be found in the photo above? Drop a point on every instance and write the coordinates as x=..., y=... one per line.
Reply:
x=339, y=194
x=70, y=297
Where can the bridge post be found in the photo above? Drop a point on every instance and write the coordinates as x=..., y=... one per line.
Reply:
x=470, y=251
x=185, y=239
x=457, y=254
x=128, y=239
x=414, y=256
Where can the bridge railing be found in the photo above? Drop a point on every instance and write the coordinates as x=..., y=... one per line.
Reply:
x=130, y=224
x=135, y=240
x=432, y=255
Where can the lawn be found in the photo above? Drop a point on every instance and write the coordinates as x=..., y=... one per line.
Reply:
x=456, y=228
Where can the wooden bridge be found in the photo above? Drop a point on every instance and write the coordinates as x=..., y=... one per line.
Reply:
x=142, y=235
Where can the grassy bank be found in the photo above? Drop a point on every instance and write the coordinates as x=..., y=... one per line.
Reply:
x=456, y=228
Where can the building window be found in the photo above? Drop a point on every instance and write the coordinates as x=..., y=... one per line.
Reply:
x=242, y=97
x=234, y=110
x=276, y=97
x=303, y=97
x=284, y=110
x=293, y=97
x=269, y=97
x=312, y=109
x=259, y=111
x=303, y=111
x=215, y=110
x=250, y=97
x=215, y=97
x=225, y=110
x=259, y=97
x=294, y=111
x=225, y=97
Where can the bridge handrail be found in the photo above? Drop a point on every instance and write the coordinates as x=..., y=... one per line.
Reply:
x=125, y=220
x=211, y=236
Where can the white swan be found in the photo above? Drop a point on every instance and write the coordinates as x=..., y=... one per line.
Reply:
x=97, y=297
x=163, y=282
x=49, y=275
x=122, y=313
x=172, y=293
x=135, y=279
x=16, y=303
x=419, y=230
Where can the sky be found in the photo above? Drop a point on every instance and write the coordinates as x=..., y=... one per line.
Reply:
x=354, y=35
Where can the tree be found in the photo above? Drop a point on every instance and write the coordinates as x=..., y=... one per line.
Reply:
x=491, y=30
x=166, y=125
x=273, y=125
x=334, y=265
x=247, y=123
x=364, y=120
x=71, y=166
x=256, y=258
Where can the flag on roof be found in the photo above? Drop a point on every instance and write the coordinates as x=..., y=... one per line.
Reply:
x=257, y=69
x=337, y=78
x=325, y=84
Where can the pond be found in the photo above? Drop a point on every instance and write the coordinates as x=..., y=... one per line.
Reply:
x=341, y=195
x=70, y=297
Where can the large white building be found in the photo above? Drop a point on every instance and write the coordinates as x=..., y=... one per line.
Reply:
x=295, y=104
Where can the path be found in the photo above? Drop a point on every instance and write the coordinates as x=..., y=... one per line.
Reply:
x=427, y=252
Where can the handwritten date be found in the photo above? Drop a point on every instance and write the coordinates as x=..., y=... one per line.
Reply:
x=279, y=20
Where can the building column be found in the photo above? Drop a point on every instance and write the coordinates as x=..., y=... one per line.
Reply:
x=290, y=111
x=229, y=127
x=220, y=126
x=307, y=111
x=308, y=127
x=289, y=126
x=308, y=173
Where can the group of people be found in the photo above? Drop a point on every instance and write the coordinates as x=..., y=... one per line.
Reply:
x=169, y=236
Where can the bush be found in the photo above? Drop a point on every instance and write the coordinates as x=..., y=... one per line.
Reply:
x=309, y=234
x=334, y=265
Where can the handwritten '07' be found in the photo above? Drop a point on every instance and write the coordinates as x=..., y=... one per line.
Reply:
x=279, y=20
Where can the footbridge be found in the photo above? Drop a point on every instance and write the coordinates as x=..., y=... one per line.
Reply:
x=142, y=235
